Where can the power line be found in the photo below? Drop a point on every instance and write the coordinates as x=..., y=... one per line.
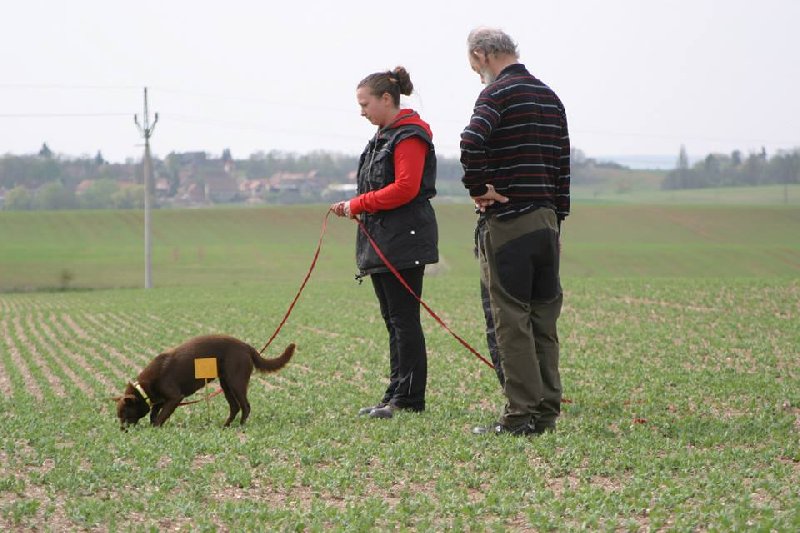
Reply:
x=256, y=99
x=65, y=86
x=263, y=127
x=270, y=128
x=62, y=115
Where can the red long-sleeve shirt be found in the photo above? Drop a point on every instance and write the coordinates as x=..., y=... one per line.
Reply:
x=409, y=161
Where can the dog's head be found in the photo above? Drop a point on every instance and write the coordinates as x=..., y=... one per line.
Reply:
x=130, y=408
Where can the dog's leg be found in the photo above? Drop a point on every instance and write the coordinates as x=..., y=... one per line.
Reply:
x=245, y=411
x=154, y=413
x=240, y=392
x=166, y=410
x=232, y=403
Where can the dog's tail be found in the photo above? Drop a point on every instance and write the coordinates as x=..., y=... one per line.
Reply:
x=276, y=363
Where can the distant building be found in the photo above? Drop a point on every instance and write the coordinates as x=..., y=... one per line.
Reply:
x=336, y=192
x=220, y=188
x=194, y=194
x=83, y=186
x=292, y=181
x=253, y=188
x=162, y=188
x=202, y=180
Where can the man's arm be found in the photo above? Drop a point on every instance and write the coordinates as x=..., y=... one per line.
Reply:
x=485, y=118
x=563, y=179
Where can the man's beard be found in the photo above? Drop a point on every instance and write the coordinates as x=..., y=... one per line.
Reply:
x=487, y=76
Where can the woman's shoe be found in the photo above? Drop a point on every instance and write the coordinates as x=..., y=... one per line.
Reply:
x=387, y=410
x=367, y=410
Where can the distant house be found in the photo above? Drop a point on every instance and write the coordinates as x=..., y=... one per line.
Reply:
x=191, y=158
x=123, y=172
x=292, y=181
x=162, y=188
x=253, y=188
x=203, y=180
x=83, y=186
x=220, y=188
x=193, y=194
x=336, y=192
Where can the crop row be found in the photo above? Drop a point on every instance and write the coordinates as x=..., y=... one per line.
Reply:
x=50, y=351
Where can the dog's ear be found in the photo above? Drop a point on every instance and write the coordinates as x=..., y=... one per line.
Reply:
x=126, y=398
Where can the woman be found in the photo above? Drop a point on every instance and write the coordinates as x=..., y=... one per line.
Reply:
x=396, y=180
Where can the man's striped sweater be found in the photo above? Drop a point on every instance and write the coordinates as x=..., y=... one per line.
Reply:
x=518, y=142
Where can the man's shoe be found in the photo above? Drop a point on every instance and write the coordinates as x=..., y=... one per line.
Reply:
x=367, y=410
x=540, y=429
x=483, y=430
x=499, y=429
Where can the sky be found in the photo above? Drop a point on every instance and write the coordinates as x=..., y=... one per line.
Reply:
x=638, y=78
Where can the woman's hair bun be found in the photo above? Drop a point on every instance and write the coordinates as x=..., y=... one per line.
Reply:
x=403, y=80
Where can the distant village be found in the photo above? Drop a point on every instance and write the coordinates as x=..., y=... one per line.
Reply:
x=189, y=179
x=195, y=179
x=45, y=181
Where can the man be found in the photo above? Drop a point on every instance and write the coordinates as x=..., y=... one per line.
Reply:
x=515, y=153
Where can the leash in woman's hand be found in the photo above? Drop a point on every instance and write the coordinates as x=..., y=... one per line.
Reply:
x=342, y=209
x=305, y=280
x=427, y=308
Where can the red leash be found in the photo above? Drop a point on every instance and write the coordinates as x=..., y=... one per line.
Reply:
x=218, y=391
x=303, y=286
x=291, y=306
x=430, y=311
x=391, y=268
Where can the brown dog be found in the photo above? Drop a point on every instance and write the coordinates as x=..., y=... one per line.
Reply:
x=170, y=377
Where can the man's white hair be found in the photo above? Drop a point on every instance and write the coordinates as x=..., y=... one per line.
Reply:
x=491, y=41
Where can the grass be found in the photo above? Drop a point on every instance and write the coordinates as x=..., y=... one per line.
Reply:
x=648, y=191
x=104, y=249
x=682, y=415
x=680, y=364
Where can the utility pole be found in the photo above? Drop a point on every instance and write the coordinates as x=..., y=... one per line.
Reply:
x=146, y=129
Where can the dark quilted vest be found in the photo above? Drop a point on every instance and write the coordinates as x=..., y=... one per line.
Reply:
x=407, y=235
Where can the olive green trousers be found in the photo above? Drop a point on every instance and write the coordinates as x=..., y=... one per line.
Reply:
x=519, y=262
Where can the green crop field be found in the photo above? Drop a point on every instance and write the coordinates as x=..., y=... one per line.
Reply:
x=680, y=361
x=228, y=246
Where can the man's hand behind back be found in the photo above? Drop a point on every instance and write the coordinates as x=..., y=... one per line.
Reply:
x=488, y=198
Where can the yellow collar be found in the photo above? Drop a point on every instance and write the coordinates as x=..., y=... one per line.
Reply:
x=139, y=388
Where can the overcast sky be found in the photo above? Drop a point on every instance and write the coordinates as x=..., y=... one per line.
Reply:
x=636, y=77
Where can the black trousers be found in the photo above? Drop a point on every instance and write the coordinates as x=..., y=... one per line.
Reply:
x=408, y=360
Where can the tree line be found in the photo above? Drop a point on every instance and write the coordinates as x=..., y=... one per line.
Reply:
x=49, y=181
x=46, y=180
x=723, y=170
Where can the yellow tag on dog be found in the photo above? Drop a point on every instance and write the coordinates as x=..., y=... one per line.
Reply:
x=205, y=368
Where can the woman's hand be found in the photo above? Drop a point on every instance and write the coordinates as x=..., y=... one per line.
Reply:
x=341, y=209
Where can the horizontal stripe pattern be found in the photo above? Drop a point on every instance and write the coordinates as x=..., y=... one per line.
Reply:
x=517, y=141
